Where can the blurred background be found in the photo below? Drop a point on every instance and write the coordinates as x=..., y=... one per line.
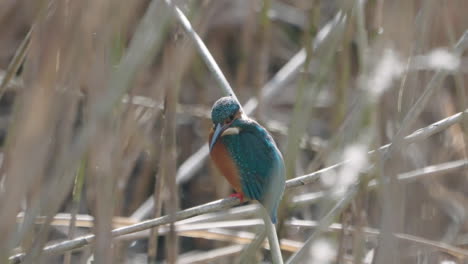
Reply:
x=105, y=114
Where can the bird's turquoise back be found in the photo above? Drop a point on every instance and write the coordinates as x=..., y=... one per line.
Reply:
x=259, y=163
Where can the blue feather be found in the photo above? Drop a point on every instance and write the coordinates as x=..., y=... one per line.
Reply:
x=259, y=162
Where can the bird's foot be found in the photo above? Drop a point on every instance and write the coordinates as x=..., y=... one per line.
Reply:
x=239, y=196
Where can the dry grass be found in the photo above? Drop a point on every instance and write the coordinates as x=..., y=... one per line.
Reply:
x=104, y=117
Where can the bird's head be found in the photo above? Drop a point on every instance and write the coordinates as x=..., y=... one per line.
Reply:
x=223, y=114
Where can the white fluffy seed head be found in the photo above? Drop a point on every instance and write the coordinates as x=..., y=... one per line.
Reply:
x=448, y=262
x=322, y=251
x=443, y=59
x=355, y=156
x=387, y=70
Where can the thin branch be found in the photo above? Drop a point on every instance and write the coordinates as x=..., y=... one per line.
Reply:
x=215, y=230
x=434, y=128
x=324, y=223
x=439, y=169
x=422, y=101
x=203, y=50
x=230, y=202
x=14, y=83
x=444, y=247
x=16, y=62
x=294, y=245
x=433, y=170
x=169, y=158
x=240, y=237
x=418, y=135
x=210, y=256
x=250, y=250
x=250, y=210
x=270, y=229
x=76, y=199
x=240, y=212
x=88, y=239
x=218, y=231
x=287, y=13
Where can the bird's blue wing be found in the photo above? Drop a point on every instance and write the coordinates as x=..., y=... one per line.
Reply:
x=255, y=164
x=259, y=162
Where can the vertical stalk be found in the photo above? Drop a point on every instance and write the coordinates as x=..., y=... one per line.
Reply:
x=169, y=169
x=263, y=56
x=76, y=199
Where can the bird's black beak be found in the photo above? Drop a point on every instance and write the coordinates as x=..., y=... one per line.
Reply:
x=218, y=131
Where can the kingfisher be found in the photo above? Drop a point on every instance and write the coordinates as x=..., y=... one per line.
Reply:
x=246, y=155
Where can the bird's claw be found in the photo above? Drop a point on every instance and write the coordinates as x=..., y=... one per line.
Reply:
x=239, y=196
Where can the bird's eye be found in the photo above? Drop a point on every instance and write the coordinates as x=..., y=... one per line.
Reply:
x=229, y=119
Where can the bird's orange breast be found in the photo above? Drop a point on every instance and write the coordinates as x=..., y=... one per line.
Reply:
x=222, y=159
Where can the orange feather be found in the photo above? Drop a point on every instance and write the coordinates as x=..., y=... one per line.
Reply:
x=223, y=161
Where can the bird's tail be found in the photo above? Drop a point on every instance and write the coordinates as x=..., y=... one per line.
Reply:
x=273, y=215
x=271, y=205
x=273, y=199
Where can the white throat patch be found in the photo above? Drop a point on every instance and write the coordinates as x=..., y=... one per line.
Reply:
x=231, y=131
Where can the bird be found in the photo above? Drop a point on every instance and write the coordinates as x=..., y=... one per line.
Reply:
x=247, y=156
